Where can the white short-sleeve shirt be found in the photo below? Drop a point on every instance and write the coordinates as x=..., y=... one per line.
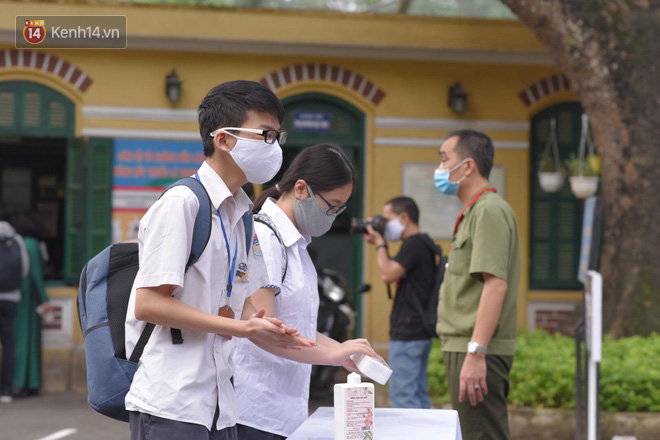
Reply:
x=187, y=382
x=273, y=392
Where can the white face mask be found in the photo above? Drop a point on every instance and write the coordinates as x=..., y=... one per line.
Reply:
x=394, y=229
x=257, y=159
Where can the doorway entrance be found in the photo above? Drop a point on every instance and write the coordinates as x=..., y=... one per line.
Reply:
x=36, y=125
x=314, y=118
x=32, y=189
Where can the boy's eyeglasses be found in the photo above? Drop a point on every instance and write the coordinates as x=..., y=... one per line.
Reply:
x=270, y=136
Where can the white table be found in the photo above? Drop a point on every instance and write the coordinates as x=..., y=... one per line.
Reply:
x=389, y=423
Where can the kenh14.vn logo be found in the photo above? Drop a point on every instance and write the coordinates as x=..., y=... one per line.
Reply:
x=34, y=31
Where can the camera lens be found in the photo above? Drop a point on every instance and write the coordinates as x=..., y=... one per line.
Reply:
x=358, y=226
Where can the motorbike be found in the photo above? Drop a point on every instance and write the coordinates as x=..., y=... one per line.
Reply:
x=336, y=320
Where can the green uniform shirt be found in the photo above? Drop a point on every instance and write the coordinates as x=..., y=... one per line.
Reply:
x=487, y=241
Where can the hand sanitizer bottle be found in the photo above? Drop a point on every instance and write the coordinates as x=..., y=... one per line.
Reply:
x=354, y=409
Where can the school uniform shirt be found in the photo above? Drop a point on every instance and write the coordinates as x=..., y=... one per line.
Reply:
x=186, y=382
x=273, y=392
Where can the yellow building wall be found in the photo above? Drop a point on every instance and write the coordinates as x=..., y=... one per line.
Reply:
x=414, y=89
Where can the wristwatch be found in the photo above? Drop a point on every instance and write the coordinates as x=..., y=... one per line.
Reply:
x=473, y=347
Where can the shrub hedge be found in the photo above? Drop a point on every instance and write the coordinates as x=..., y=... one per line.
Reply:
x=543, y=374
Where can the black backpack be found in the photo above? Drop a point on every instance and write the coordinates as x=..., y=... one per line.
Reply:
x=429, y=311
x=11, y=264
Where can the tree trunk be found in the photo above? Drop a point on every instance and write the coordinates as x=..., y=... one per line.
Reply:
x=610, y=51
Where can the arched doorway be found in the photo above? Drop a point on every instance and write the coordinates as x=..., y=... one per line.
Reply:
x=47, y=173
x=314, y=118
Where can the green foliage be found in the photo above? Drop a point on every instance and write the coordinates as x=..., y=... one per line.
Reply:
x=543, y=374
x=547, y=165
x=437, y=377
x=572, y=165
x=630, y=377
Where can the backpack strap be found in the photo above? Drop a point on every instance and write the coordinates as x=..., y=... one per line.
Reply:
x=202, y=227
x=438, y=274
x=200, y=238
x=264, y=219
x=142, y=342
x=440, y=267
x=437, y=250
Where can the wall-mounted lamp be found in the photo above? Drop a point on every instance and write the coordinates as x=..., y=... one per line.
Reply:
x=173, y=87
x=457, y=98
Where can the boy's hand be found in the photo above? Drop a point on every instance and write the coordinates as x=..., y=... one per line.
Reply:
x=272, y=331
x=279, y=323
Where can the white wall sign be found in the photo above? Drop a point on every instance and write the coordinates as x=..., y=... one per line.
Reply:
x=438, y=212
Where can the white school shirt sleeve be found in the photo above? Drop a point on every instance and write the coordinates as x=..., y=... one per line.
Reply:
x=260, y=267
x=271, y=249
x=165, y=239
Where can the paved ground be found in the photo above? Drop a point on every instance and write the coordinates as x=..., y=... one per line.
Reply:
x=55, y=416
x=38, y=417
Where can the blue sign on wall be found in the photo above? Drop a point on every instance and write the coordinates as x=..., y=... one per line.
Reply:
x=144, y=163
x=311, y=121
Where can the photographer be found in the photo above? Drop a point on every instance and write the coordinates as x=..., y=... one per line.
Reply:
x=413, y=268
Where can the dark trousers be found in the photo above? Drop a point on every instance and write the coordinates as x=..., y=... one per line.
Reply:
x=248, y=433
x=488, y=419
x=148, y=427
x=7, y=339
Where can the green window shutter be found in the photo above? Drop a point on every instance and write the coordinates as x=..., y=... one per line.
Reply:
x=74, y=246
x=7, y=110
x=556, y=219
x=32, y=110
x=99, y=195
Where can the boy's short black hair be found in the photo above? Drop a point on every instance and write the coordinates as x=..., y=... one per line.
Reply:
x=405, y=204
x=476, y=145
x=228, y=104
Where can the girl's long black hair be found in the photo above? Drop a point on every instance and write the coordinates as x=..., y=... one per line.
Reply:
x=324, y=167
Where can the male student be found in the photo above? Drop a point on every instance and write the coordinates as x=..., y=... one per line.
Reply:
x=183, y=391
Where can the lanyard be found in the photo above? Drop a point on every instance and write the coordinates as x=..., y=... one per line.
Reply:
x=472, y=202
x=230, y=278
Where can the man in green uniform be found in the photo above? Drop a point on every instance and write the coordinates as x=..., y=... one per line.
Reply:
x=478, y=299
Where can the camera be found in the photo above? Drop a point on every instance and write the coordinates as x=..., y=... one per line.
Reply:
x=359, y=226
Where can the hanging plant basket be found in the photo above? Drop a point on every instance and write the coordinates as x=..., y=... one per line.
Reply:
x=551, y=182
x=551, y=179
x=584, y=186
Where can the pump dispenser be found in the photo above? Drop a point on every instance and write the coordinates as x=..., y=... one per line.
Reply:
x=354, y=409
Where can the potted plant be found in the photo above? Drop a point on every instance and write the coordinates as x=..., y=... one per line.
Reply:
x=551, y=178
x=584, y=175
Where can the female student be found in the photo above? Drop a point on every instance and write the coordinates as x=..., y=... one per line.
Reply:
x=273, y=392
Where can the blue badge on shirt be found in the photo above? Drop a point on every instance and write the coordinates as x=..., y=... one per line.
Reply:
x=256, y=247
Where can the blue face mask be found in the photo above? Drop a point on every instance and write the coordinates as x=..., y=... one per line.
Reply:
x=442, y=182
